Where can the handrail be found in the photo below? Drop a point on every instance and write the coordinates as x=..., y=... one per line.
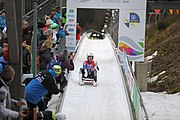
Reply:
x=39, y=6
x=45, y=5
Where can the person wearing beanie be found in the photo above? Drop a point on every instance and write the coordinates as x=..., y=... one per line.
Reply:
x=65, y=60
x=44, y=82
x=5, y=100
x=48, y=24
x=40, y=35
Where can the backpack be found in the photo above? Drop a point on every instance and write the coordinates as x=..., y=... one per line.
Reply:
x=52, y=63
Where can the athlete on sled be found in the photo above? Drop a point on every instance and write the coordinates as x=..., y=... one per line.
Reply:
x=89, y=71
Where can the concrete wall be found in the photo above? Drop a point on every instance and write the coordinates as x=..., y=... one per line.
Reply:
x=141, y=75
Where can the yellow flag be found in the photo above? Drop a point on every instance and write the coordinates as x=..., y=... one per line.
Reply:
x=171, y=11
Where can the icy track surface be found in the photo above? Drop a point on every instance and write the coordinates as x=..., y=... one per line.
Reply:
x=107, y=101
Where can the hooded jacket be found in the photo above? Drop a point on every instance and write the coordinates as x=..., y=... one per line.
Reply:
x=66, y=63
x=5, y=103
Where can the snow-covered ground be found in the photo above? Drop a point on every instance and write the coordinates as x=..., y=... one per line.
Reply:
x=161, y=106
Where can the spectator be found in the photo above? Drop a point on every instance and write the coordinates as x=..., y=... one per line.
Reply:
x=5, y=99
x=39, y=86
x=56, y=16
x=27, y=33
x=78, y=30
x=45, y=54
x=57, y=33
x=40, y=35
x=5, y=50
x=26, y=58
x=4, y=57
x=2, y=20
x=65, y=63
x=48, y=24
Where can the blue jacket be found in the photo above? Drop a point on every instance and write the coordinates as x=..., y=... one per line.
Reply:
x=2, y=21
x=56, y=17
x=43, y=83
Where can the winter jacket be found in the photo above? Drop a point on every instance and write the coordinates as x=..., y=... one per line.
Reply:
x=5, y=103
x=43, y=83
x=88, y=64
x=56, y=17
x=26, y=60
x=2, y=21
x=65, y=63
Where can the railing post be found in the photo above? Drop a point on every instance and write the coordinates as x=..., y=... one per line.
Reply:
x=34, y=39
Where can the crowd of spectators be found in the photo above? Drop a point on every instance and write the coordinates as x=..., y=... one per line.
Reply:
x=49, y=34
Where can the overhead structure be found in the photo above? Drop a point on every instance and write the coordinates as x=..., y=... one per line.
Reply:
x=132, y=16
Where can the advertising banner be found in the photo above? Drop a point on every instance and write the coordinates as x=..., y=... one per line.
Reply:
x=132, y=34
x=71, y=29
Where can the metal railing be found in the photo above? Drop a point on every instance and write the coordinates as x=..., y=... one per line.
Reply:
x=163, y=5
x=42, y=9
x=29, y=5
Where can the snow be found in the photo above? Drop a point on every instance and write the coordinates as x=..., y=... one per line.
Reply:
x=162, y=106
x=149, y=58
x=156, y=77
x=107, y=101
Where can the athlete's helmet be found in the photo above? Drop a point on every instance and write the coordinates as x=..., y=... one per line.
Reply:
x=57, y=69
x=90, y=55
x=60, y=116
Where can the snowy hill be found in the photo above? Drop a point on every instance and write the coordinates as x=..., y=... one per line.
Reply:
x=165, y=63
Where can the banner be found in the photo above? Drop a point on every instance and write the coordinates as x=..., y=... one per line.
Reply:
x=71, y=29
x=132, y=34
x=157, y=11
